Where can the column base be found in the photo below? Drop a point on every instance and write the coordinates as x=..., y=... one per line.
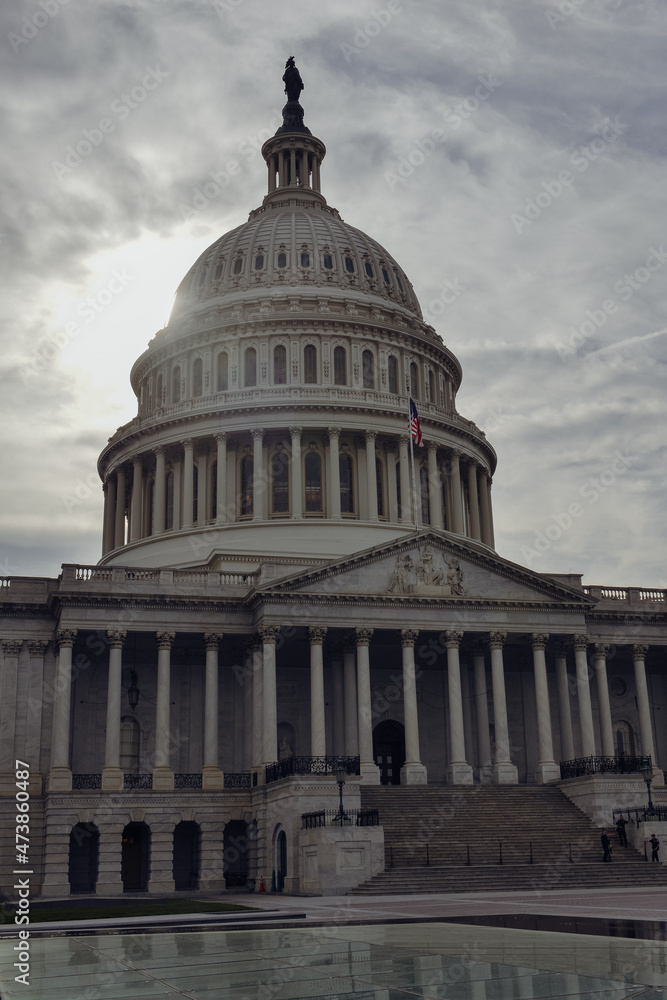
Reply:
x=8, y=784
x=109, y=888
x=212, y=778
x=113, y=779
x=486, y=774
x=163, y=779
x=505, y=773
x=658, y=778
x=370, y=773
x=212, y=885
x=413, y=774
x=459, y=774
x=546, y=773
x=162, y=885
x=59, y=780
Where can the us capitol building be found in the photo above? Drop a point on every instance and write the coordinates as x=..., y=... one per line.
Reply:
x=270, y=606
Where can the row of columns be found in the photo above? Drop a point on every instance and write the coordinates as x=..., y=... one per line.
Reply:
x=352, y=712
x=467, y=506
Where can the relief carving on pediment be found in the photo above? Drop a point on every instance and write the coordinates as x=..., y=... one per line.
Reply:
x=423, y=577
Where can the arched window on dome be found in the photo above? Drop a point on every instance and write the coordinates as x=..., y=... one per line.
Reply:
x=425, y=499
x=280, y=365
x=431, y=387
x=346, y=484
x=340, y=366
x=368, y=369
x=280, y=480
x=414, y=381
x=393, y=375
x=259, y=262
x=250, y=367
x=385, y=276
x=169, y=501
x=327, y=262
x=176, y=384
x=379, y=478
x=368, y=268
x=238, y=265
x=313, y=481
x=246, y=485
x=198, y=377
x=217, y=274
x=310, y=364
x=349, y=265
x=305, y=259
x=158, y=391
x=282, y=259
x=400, y=284
x=222, y=372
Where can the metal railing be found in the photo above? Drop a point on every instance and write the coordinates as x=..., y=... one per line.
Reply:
x=640, y=815
x=602, y=765
x=138, y=781
x=310, y=765
x=187, y=780
x=86, y=781
x=331, y=817
x=241, y=779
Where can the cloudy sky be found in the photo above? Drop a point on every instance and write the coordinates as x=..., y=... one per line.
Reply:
x=511, y=155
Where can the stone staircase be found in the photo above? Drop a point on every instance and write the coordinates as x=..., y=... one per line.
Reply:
x=480, y=839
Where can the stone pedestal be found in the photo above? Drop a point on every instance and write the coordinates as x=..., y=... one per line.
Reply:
x=370, y=774
x=163, y=779
x=505, y=774
x=413, y=774
x=459, y=774
x=212, y=778
x=335, y=859
x=113, y=779
x=547, y=773
x=59, y=780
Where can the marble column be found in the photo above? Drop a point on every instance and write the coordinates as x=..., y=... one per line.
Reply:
x=11, y=649
x=202, y=486
x=337, y=703
x=112, y=773
x=413, y=771
x=406, y=491
x=371, y=476
x=245, y=681
x=485, y=509
x=434, y=486
x=137, y=501
x=212, y=777
x=163, y=775
x=188, y=482
x=482, y=711
x=504, y=771
x=489, y=484
x=564, y=712
x=457, y=496
x=259, y=483
x=475, y=524
x=109, y=514
x=391, y=456
x=159, y=492
x=334, y=472
x=639, y=651
x=370, y=772
x=459, y=771
x=60, y=774
x=119, y=529
x=37, y=649
x=257, y=701
x=600, y=651
x=584, y=696
x=547, y=768
x=317, y=723
x=296, y=500
x=350, y=694
x=221, y=479
x=269, y=635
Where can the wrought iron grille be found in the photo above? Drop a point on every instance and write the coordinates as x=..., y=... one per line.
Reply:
x=86, y=781
x=137, y=781
x=187, y=781
x=331, y=817
x=310, y=765
x=237, y=780
x=641, y=815
x=602, y=765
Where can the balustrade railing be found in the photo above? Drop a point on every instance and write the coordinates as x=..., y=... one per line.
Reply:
x=91, y=781
x=602, y=765
x=641, y=815
x=332, y=817
x=187, y=780
x=241, y=779
x=137, y=781
x=310, y=765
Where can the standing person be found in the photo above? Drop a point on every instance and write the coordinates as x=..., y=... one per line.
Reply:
x=606, y=845
x=620, y=829
x=655, y=847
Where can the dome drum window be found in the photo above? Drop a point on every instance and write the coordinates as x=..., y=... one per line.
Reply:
x=259, y=262
x=281, y=259
x=349, y=265
x=368, y=268
x=238, y=265
x=327, y=262
x=305, y=259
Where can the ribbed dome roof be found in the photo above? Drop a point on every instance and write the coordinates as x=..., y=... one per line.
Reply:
x=295, y=241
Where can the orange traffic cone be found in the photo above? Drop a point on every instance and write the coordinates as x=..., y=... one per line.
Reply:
x=261, y=885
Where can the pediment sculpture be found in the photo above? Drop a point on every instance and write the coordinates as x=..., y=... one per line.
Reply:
x=423, y=577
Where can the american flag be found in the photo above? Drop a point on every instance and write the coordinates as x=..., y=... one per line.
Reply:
x=415, y=425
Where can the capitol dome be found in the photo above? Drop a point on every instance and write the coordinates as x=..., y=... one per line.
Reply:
x=277, y=397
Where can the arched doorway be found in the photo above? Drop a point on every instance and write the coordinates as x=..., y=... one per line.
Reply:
x=84, y=853
x=281, y=860
x=389, y=751
x=235, y=849
x=187, y=852
x=624, y=739
x=134, y=857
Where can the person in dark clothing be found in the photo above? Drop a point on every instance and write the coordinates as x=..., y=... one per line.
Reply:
x=655, y=847
x=620, y=830
x=606, y=845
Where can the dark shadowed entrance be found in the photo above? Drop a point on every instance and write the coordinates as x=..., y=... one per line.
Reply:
x=84, y=851
x=187, y=839
x=134, y=857
x=389, y=751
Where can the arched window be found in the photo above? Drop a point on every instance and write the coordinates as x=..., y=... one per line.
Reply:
x=327, y=261
x=414, y=381
x=222, y=372
x=349, y=265
x=624, y=742
x=313, y=477
x=176, y=384
x=340, y=366
x=238, y=265
x=305, y=260
x=385, y=275
x=393, y=375
x=431, y=386
x=195, y=493
x=129, y=745
x=250, y=366
x=246, y=484
x=280, y=484
x=368, y=267
x=198, y=377
x=149, y=399
x=310, y=364
x=282, y=260
x=346, y=484
x=425, y=501
x=217, y=274
x=379, y=478
x=169, y=501
x=280, y=365
x=367, y=365
x=158, y=391
x=259, y=261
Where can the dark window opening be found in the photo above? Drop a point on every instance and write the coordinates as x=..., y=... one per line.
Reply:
x=238, y=265
x=349, y=265
x=313, y=469
x=280, y=365
x=310, y=364
x=346, y=491
x=368, y=267
x=328, y=261
x=250, y=359
x=246, y=484
x=259, y=262
x=393, y=375
x=340, y=366
x=305, y=260
x=367, y=365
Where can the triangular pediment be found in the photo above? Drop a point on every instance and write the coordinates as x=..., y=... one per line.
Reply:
x=433, y=566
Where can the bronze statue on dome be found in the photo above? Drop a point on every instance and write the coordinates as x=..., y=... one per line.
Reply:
x=292, y=80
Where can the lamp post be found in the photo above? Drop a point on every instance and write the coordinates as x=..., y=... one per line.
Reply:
x=341, y=771
x=647, y=775
x=133, y=692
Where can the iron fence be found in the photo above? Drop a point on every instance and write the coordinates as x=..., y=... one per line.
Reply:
x=86, y=781
x=331, y=817
x=310, y=765
x=602, y=765
x=239, y=779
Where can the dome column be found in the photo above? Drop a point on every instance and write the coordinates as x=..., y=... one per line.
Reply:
x=221, y=479
x=334, y=472
x=188, y=481
x=433, y=484
x=371, y=477
x=457, y=499
x=109, y=488
x=119, y=529
x=202, y=486
x=259, y=478
x=486, y=529
x=296, y=502
x=160, y=491
x=136, y=503
x=475, y=525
